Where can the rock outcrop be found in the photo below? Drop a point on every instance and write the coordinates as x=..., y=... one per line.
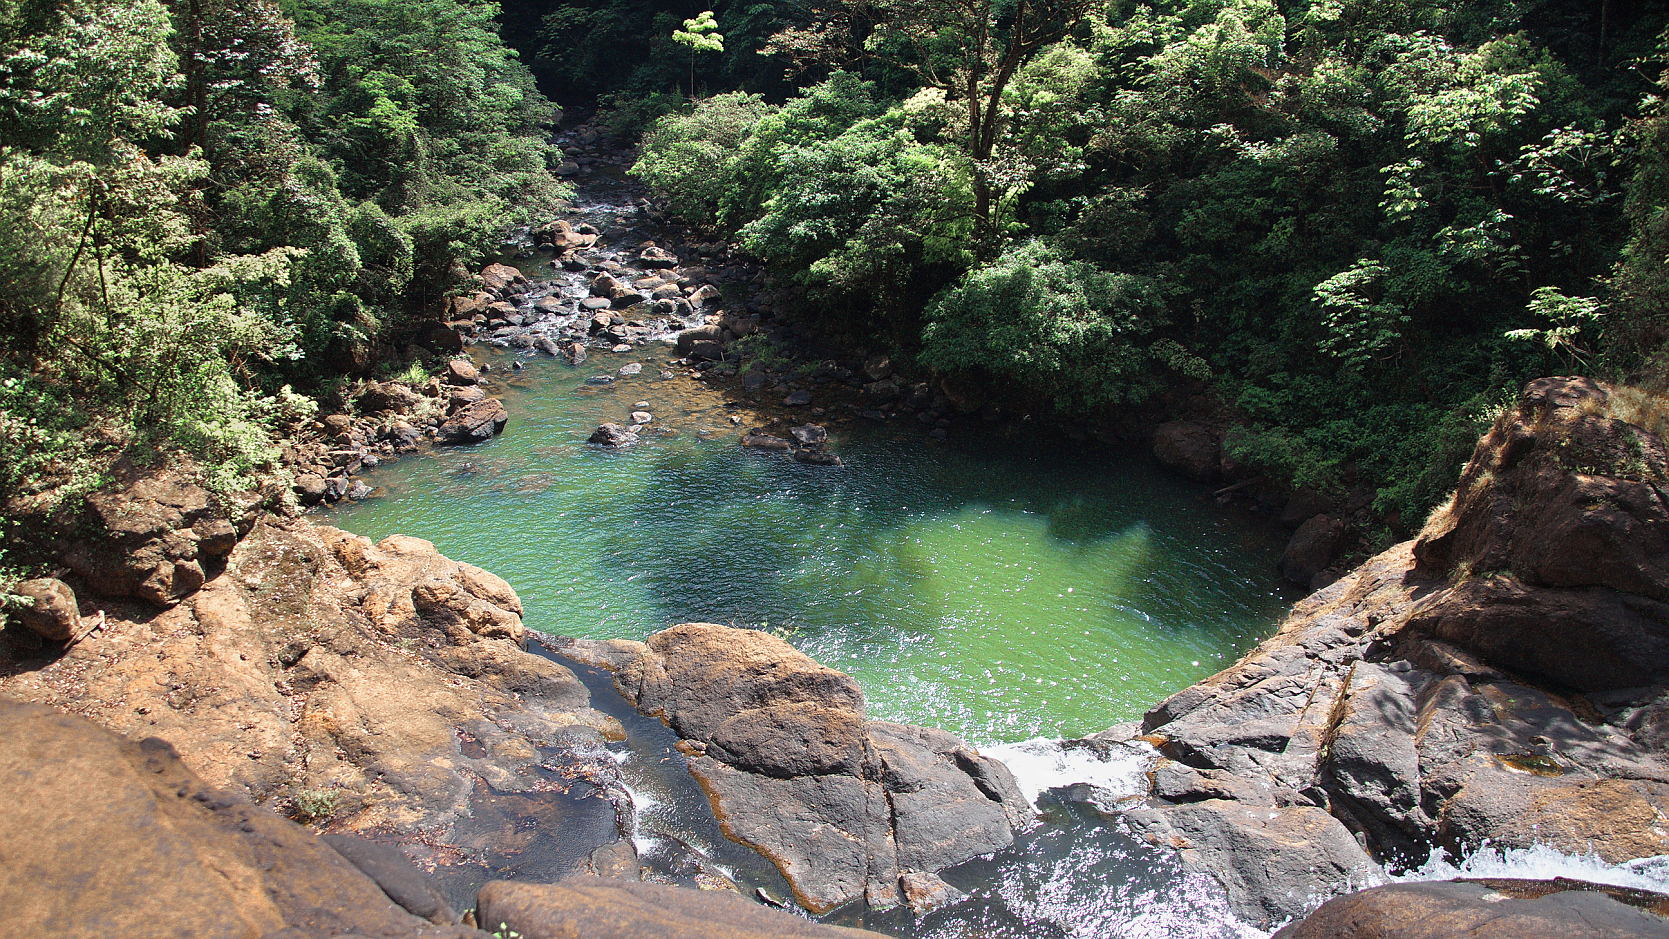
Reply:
x=1500, y=679
x=1521, y=909
x=110, y=837
x=845, y=807
x=377, y=688
x=157, y=539
x=612, y=909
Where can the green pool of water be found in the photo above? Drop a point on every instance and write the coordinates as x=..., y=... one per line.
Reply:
x=999, y=588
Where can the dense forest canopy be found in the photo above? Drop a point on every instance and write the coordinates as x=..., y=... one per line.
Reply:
x=211, y=210
x=1359, y=224
x=1354, y=224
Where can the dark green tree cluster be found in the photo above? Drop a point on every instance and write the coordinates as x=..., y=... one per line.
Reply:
x=210, y=210
x=1359, y=222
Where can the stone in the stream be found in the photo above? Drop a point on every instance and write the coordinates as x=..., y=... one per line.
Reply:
x=502, y=279
x=621, y=348
x=642, y=417
x=474, y=423
x=707, y=349
x=631, y=369
x=797, y=399
x=705, y=295
x=878, y=367
x=593, y=304
x=657, y=258
x=574, y=352
x=758, y=439
x=809, y=435
x=705, y=333
x=545, y=344
x=612, y=435
x=844, y=806
x=815, y=456
x=549, y=305
x=600, y=380
x=459, y=398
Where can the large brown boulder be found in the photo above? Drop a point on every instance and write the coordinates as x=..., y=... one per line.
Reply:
x=473, y=423
x=1559, y=537
x=49, y=610
x=1521, y=909
x=845, y=807
x=615, y=909
x=157, y=539
x=109, y=837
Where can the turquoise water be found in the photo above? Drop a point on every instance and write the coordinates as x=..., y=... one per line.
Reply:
x=1000, y=588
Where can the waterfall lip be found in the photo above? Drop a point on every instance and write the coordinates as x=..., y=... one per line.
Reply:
x=1041, y=764
x=1542, y=862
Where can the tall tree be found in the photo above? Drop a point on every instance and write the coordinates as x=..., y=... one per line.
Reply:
x=970, y=50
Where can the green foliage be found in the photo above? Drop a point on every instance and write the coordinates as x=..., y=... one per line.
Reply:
x=1065, y=328
x=206, y=205
x=1343, y=214
x=690, y=158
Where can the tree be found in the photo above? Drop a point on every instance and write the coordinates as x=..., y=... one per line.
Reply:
x=968, y=49
x=700, y=34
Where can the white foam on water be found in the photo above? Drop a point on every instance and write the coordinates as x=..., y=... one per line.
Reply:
x=1542, y=862
x=1039, y=765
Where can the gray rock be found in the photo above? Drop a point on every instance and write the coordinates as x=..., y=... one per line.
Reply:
x=1274, y=862
x=473, y=423
x=612, y=435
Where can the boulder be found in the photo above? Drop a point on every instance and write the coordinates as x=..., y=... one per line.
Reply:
x=707, y=350
x=615, y=909
x=157, y=538
x=1272, y=861
x=170, y=855
x=462, y=396
x=1312, y=549
x=1191, y=448
x=843, y=806
x=462, y=372
x=1522, y=909
x=501, y=280
x=797, y=399
x=388, y=396
x=689, y=337
x=613, y=435
x=704, y=296
x=49, y=609
x=473, y=423
x=758, y=439
x=809, y=435
x=877, y=367
x=657, y=258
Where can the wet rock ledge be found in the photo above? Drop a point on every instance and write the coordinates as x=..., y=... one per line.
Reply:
x=1500, y=680
x=847, y=808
